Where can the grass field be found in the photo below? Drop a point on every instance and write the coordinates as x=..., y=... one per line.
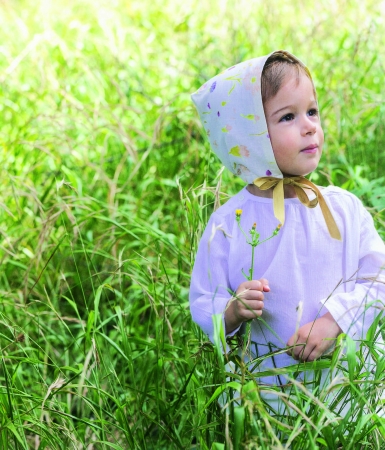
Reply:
x=106, y=185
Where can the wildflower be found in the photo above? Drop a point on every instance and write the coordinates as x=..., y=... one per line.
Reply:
x=254, y=236
x=238, y=213
x=275, y=232
x=253, y=239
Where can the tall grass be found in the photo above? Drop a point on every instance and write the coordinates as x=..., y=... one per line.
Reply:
x=106, y=186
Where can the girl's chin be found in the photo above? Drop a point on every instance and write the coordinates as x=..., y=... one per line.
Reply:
x=287, y=175
x=302, y=172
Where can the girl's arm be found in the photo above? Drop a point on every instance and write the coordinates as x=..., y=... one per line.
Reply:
x=210, y=290
x=356, y=310
x=210, y=287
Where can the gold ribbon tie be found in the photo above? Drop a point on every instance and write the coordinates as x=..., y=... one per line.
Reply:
x=299, y=184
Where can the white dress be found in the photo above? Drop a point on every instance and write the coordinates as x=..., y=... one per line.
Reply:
x=309, y=273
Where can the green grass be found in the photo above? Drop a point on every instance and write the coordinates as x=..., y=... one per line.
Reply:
x=106, y=186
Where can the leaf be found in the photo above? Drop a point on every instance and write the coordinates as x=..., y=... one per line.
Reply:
x=327, y=433
x=246, y=276
x=351, y=356
x=13, y=430
x=239, y=426
x=90, y=325
x=250, y=390
x=231, y=90
x=235, y=151
x=219, y=335
x=219, y=390
x=217, y=446
x=248, y=116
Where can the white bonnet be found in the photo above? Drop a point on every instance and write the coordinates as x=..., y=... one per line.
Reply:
x=231, y=110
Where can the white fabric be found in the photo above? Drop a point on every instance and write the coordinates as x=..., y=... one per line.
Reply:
x=231, y=111
x=302, y=264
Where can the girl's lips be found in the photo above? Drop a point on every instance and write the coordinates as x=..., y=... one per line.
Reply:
x=311, y=149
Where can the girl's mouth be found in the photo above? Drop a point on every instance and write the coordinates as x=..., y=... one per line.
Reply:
x=310, y=149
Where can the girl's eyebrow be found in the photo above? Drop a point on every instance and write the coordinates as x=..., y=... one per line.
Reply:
x=313, y=102
x=281, y=109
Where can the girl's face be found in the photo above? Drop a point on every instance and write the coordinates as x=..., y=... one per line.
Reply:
x=294, y=126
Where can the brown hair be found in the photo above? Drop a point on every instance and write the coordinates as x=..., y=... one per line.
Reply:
x=276, y=67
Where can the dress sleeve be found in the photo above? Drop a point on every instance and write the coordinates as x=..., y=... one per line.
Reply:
x=355, y=310
x=210, y=288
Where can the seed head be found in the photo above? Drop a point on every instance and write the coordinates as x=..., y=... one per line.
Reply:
x=275, y=232
x=20, y=337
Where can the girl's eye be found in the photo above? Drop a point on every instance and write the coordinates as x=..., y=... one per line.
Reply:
x=313, y=112
x=287, y=117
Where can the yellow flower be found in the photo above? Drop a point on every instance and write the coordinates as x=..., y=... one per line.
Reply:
x=238, y=212
x=254, y=225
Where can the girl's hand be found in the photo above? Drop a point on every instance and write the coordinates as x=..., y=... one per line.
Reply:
x=316, y=337
x=247, y=304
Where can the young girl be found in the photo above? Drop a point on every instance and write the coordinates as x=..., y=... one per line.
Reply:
x=321, y=274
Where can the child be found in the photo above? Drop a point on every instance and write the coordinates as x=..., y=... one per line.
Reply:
x=321, y=274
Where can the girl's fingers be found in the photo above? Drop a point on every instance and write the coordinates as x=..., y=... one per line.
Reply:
x=304, y=352
x=254, y=284
x=258, y=285
x=295, y=347
x=313, y=355
x=250, y=308
x=250, y=295
x=252, y=314
x=297, y=351
x=255, y=305
x=265, y=285
x=292, y=341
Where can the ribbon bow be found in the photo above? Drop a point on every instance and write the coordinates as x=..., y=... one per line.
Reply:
x=299, y=184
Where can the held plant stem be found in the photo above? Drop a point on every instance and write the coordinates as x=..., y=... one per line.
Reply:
x=253, y=240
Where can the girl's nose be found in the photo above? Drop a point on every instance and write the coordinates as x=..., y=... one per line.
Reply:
x=309, y=127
